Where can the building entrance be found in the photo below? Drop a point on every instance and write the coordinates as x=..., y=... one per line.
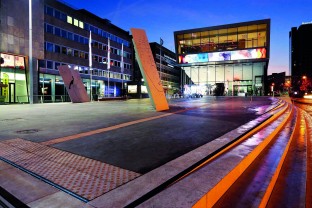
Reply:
x=12, y=93
x=242, y=90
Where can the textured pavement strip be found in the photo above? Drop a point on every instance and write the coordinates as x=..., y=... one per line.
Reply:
x=97, y=131
x=85, y=177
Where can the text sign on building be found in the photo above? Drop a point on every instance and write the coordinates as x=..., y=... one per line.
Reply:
x=148, y=69
x=11, y=61
x=258, y=53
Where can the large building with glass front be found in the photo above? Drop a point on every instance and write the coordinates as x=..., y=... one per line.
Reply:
x=236, y=55
x=60, y=36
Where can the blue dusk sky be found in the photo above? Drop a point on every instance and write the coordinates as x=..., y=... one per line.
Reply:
x=160, y=18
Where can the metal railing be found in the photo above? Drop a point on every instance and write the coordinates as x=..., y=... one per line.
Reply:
x=44, y=98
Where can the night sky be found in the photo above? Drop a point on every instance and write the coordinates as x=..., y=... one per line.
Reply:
x=161, y=18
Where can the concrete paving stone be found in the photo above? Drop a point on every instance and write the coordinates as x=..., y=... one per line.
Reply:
x=4, y=165
x=23, y=186
x=172, y=198
x=57, y=200
x=136, y=188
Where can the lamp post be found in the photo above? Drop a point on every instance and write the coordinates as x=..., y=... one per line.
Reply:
x=161, y=42
x=31, y=89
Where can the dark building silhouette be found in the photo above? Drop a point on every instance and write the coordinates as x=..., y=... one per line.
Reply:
x=301, y=50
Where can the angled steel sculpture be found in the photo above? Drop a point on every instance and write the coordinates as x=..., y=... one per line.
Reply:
x=74, y=85
x=148, y=69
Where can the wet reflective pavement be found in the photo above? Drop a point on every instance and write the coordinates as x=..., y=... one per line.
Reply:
x=128, y=136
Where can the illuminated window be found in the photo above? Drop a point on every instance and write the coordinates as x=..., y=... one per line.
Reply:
x=262, y=35
x=69, y=51
x=252, y=40
x=81, y=24
x=76, y=22
x=69, y=20
x=242, y=37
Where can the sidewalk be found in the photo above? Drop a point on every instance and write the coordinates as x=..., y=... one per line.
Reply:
x=81, y=152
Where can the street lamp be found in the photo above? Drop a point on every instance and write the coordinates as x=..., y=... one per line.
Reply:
x=31, y=77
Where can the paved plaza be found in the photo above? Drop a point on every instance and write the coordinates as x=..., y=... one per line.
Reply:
x=92, y=148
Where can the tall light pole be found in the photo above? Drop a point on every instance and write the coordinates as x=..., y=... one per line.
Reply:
x=161, y=42
x=122, y=70
x=31, y=78
x=90, y=65
x=108, y=64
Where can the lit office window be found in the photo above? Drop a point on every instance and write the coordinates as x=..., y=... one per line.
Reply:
x=69, y=20
x=76, y=22
x=81, y=24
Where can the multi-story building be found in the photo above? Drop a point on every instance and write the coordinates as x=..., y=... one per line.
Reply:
x=301, y=50
x=300, y=62
x=14, y=48
x=166, y=64
x=61, y=36
x=235, y=55
x=169, y=73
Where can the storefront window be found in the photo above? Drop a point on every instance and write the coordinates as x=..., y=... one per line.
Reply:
x=219, y=73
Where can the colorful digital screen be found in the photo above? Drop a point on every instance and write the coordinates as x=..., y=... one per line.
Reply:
x=194, y=58
x=258, y=53
x=249, y=54
x=220, y=56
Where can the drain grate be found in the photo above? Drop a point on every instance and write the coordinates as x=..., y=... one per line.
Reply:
x=27, y=131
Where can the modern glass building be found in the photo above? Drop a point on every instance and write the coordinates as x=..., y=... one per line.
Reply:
x=236, y=55
x=61, y=35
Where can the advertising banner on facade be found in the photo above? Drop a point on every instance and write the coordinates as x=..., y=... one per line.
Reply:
x=258, y=53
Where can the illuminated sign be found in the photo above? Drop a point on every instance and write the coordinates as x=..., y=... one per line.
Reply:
x=220, y=56
x=11, y=61
x=258, y=53
x=143, y=89
x=132, y=89
x=194, y=58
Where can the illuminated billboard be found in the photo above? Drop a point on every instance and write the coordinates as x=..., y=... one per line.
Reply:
x=194, y=58
x=258, y=53
x=11, y=61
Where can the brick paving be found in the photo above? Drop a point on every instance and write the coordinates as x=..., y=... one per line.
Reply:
x=85, y=177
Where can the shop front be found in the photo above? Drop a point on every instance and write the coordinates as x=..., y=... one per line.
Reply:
x=13, y=79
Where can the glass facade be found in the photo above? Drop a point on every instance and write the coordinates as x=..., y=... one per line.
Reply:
x=235, y=56
x=238, y=79
x=226, y=39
